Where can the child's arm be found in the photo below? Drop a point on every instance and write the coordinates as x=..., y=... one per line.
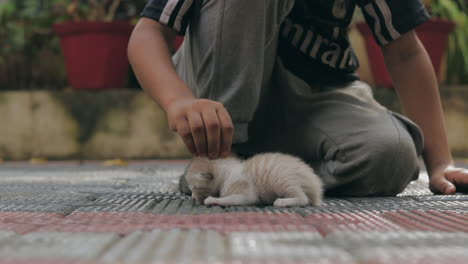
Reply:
x=204, y=125
x=415, y=82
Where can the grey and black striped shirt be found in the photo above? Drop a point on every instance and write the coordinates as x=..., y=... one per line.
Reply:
x=313, y=39
x=172, y=13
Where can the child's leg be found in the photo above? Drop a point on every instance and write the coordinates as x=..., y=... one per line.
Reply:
x=355, y=145
x=229, y=53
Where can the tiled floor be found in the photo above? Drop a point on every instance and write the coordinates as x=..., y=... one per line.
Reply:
x=69, y=213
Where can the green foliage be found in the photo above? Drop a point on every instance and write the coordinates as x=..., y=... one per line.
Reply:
x=457, y=53
x=101, y=10
x=30, y=54
x=27, y=41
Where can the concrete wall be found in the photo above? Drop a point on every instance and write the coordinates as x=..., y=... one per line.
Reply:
x=102, y=125
x=127, y=124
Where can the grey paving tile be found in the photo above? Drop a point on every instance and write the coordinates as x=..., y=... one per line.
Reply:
x=4, y=235
x=173, y=204
x=62, y=209
x=202, y=209
x=413, y=254
x=387, y=204
x=456, y=197
x=86, y=188
x=419, y=187
x=159, y=179
x=186, y=206
x=30, y=195
x=173, y=207
x=65, y=175
x=455, y=206
x=174, y=246
x=149, y=190
x=134, y=248
x=122, y=202
x=350, y=240
x=119, y=206
x=189, y=206
x=303, y=247
x=160, y=206
x=402, y=246
x=215, y=247
x=50, y=245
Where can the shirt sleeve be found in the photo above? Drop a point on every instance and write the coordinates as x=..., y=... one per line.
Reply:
x=389, y=19
x=172, y=13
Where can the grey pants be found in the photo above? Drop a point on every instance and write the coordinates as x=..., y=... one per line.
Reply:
x=356, y=146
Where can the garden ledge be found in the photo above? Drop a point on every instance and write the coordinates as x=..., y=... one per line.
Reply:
x=127, y=124
x=84, y=125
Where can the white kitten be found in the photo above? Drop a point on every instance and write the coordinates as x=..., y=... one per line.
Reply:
x=269, y=178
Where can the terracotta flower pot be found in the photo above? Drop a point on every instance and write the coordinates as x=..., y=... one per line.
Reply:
x=95, y=53
x=433, y=34
x=178, y=42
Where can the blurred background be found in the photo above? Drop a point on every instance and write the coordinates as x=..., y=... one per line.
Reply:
x=30, y=51
x=67, y=91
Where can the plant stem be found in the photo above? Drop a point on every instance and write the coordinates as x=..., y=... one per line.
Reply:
x=112, y=10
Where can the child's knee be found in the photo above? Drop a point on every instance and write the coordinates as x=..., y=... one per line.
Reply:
x=392, y=164
x=385, y=167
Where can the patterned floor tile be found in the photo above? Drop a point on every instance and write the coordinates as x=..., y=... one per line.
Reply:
x=135, y=215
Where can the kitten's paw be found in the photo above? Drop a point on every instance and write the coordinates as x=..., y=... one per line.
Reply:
x=281, y=203
x=211, y=201
x=289, y=202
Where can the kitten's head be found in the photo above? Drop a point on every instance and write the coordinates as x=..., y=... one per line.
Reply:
x=200, y=177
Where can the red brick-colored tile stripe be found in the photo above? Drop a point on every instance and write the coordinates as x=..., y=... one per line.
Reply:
x=429, y=220
x=421, y=260
x=325, y=223
x=246, y=261
x=24, y=222
x=48, y=261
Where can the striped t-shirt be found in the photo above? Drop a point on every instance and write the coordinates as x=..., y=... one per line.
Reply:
x=313, y=40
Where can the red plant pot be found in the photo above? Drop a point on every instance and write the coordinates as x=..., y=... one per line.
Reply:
x=433, y=34
x=178, y=42
x=95, y=53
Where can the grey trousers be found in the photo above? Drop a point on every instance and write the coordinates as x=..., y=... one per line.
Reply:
x=355, y=145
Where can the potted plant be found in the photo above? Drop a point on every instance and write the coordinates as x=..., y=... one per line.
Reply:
x=94, y=43
x=434, y=35
x=457, y=47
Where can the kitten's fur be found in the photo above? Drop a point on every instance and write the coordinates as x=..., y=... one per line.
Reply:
x=269, y=178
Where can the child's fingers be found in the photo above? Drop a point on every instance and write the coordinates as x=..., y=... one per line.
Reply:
x=212, y=126
x=459, y=177
x=197, y=127
x=227, y=131
x=183, y=129
x=442, y=185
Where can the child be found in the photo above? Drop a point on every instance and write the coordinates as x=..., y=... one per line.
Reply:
x=279, y=75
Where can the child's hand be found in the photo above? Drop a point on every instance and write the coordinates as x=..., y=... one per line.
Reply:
x=204, y=125
x=448, y=179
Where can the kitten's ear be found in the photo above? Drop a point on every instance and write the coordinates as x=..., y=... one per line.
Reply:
x=205, y=176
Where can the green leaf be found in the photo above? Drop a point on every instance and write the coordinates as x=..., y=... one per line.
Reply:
x=7, y=8
x=457, y=48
